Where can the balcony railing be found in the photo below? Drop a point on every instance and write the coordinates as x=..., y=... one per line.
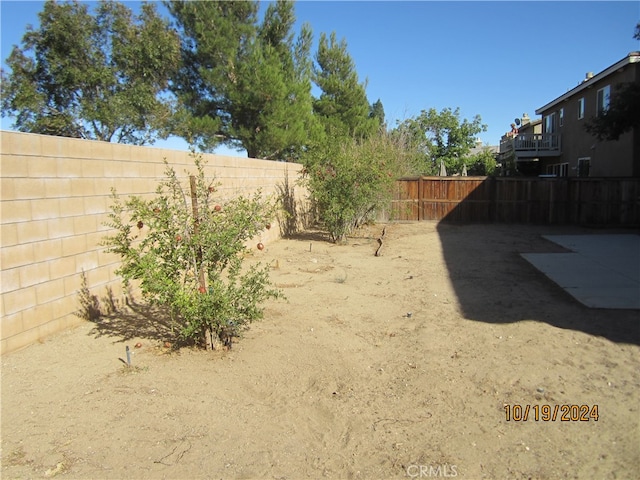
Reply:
x=537, y=145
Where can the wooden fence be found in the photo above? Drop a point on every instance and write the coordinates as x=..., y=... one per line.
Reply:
x=580, y=201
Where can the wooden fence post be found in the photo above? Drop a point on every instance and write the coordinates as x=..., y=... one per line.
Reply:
x=420, y=199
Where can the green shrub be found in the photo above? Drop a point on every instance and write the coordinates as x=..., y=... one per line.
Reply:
x=193, y=264
x=349, y=180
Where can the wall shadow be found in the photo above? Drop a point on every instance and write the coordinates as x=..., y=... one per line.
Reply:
x=494, y=284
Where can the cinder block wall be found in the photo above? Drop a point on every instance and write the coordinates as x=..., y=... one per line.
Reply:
x=55, y=195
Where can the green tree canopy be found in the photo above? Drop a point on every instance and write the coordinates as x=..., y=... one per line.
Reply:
x=377, y=112
x=214, y=36
x=98, y=77
x=243, y=83
x=342, y=108
x=622, y=114
x=271, y=106
x=440, y=137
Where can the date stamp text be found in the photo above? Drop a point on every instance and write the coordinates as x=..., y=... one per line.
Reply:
x=551, y=413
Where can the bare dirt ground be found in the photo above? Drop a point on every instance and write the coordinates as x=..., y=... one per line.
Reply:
x=398, y=366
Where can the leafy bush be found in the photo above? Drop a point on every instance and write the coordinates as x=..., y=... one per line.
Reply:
x=350, y=180
x=482, y=163
x=190, y=262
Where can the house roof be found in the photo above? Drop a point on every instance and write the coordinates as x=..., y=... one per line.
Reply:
x=530, y=124
x=491, y=148
x=633, y=57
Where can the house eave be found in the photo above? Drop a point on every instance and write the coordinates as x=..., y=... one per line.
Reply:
x=633, y=57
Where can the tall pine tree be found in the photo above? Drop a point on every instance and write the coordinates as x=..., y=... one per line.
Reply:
x=271, y=107
x=215, y=38
x=243, y=83
x=377, y=111
x=342, y=108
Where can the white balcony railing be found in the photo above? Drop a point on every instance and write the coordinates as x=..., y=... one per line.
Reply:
x=537, y=141
x=526, y=146
x=537, y=144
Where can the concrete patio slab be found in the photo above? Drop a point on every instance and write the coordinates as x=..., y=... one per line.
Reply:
x=603, y=271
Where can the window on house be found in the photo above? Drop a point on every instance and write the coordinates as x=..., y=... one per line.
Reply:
x=603, y=100
x=564, y=169
x=580, y=108
x=561, y=119
x=550, y=123
x=584, y=165
x=558, y=169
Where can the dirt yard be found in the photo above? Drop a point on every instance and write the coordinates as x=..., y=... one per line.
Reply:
x=398, y=366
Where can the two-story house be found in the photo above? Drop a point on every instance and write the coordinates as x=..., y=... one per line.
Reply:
x=562, y=146
x=521, y=148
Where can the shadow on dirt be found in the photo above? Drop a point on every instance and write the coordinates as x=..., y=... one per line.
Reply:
x=136, y=321
x=494, y=284
x=311, y=235
x=126, y=322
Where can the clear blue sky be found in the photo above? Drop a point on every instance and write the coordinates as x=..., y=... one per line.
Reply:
x=495, y=59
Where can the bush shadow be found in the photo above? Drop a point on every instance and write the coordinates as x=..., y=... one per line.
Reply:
x=312, y=234
x=128, y=321
x=294, y=217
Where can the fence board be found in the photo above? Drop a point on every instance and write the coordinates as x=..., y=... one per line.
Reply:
x=584, y=201
x=406, y=202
